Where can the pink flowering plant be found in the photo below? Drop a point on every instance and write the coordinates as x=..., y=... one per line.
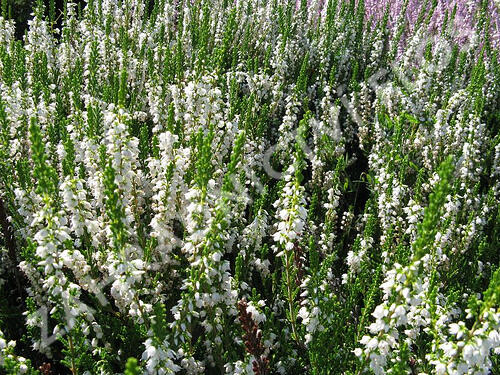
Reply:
x=250, y=187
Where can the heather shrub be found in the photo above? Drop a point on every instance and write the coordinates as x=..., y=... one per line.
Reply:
x=250, y=187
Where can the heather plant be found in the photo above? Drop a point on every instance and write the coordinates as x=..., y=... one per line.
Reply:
x=250, y=187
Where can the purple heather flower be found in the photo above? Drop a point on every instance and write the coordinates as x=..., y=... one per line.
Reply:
x=464, y=23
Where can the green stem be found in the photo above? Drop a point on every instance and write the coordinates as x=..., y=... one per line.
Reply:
x=74, y=370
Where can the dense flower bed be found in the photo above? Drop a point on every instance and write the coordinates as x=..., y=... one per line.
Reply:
x=251, y=187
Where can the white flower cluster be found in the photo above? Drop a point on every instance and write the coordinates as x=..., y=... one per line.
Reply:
x=291, y=214
x=16, y=363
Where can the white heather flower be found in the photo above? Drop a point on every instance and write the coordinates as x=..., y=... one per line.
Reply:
x=292, y=204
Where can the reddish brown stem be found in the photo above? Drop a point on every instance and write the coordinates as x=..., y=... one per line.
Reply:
x=253, y=340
